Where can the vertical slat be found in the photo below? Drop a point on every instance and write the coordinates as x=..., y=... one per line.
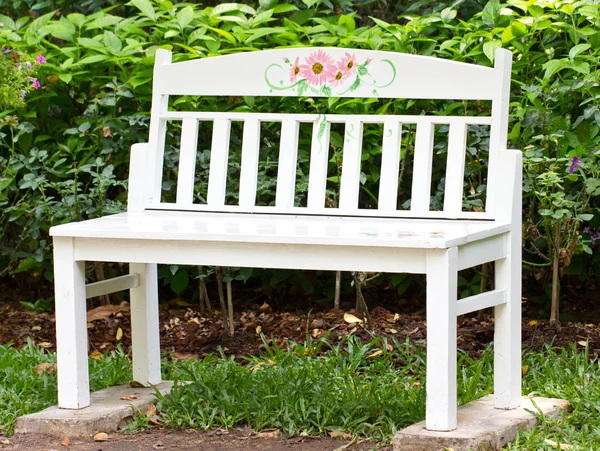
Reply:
x=136, y=194
x=249, y=169
x=455, y=167
x=158, y=129
x=145, y=328
x=441, y=286
x=71, y=326
x=390, y=165
x=286, y=171
x=499, y=127
x=319, y=157
x=421, y=184
x=350, y=183
x=217, y=177
x=187, y=161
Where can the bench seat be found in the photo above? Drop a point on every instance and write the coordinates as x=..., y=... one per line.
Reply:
x=287, y=229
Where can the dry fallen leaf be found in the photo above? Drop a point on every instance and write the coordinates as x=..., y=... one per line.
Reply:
x=36, y=328
x=376, y=353
x=351, y=318
x=129, y=397
x=47, y=368
x=274, y=434
x=533, y=322
x=119, y=334
x=525, y=369
x=393, y=331
x=258, y=330
x=158, y=445
x=151, y=413
x=106, y=132
x=340, y=434
x=45, y=345
x=66, y=441
x=101, y=437
x=104, y=311
x=562, y=446
x=389, y=347
x=416, y=384
x=265, y=308
x=96, y=355
x=582, y=343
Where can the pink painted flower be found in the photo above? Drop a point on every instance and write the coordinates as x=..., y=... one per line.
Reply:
x=317, y=68
x=36, y=83
x=40, y=59
x=295, y=70
x=338, y=76
x=348, y=64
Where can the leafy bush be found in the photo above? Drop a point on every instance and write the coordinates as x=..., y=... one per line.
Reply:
x=65, y=153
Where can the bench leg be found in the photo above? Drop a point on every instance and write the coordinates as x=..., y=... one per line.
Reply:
x=442, y=275
x=145, y=336
x=507, y=332
x=71, y=327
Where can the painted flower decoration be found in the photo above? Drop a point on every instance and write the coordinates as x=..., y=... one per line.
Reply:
x=40, y=59
x=348, y=64
x=337, y=77
x=295, y=71
x=318, y=68
x=574, y=165
x=322, y=74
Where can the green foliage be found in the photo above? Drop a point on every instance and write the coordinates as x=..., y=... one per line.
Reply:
x=65, y=153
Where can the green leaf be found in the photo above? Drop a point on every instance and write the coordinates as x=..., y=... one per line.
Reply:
x=65, y=78
x=112, y=41
x=90, y=43
x=76, y=18
x=553, y=66
x=586, y=217
x=225, y=34
x=180, y=281
x=490, y=47
x=92, y=59
x=576, y=50
x=185, y=16
x=103, y=21
x=145, y=7
x=448, y=14
x=535, y=10
x=514, y=30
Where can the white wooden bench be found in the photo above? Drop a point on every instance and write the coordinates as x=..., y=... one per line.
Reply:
x=311, y=237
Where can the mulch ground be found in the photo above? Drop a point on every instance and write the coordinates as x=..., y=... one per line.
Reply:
x=187, y=334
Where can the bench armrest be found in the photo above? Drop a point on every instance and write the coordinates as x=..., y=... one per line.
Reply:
x=137, y=178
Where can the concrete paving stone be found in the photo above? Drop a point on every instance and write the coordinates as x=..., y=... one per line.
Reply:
x=107, y=413
x=480, y=426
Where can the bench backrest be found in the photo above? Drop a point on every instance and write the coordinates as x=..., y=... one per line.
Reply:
x=325, y=72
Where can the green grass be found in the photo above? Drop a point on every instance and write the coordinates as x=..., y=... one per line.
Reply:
x=362, y=389
x=23, y=391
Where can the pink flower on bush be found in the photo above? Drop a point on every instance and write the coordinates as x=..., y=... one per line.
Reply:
x=318, y=68
x=348, y=64
x=36, y=83
x=40, y=59
x=295, y=70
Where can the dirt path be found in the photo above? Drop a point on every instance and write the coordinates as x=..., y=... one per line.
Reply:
x=234, y=440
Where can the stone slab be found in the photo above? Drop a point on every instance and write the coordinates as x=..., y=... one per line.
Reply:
x=480, y=426
x=107, y=413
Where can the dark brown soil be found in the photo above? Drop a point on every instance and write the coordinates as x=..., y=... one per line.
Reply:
x=185, y=333
x=233, y=440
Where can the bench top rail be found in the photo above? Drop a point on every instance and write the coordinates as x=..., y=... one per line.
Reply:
x=312, y=72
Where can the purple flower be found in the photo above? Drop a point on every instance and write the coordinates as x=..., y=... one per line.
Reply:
x=6, y=51
x=40, y=59
x=28, y=65
x=36, y=83
x=574, y=164
x=23, y=93
x=19, y=66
